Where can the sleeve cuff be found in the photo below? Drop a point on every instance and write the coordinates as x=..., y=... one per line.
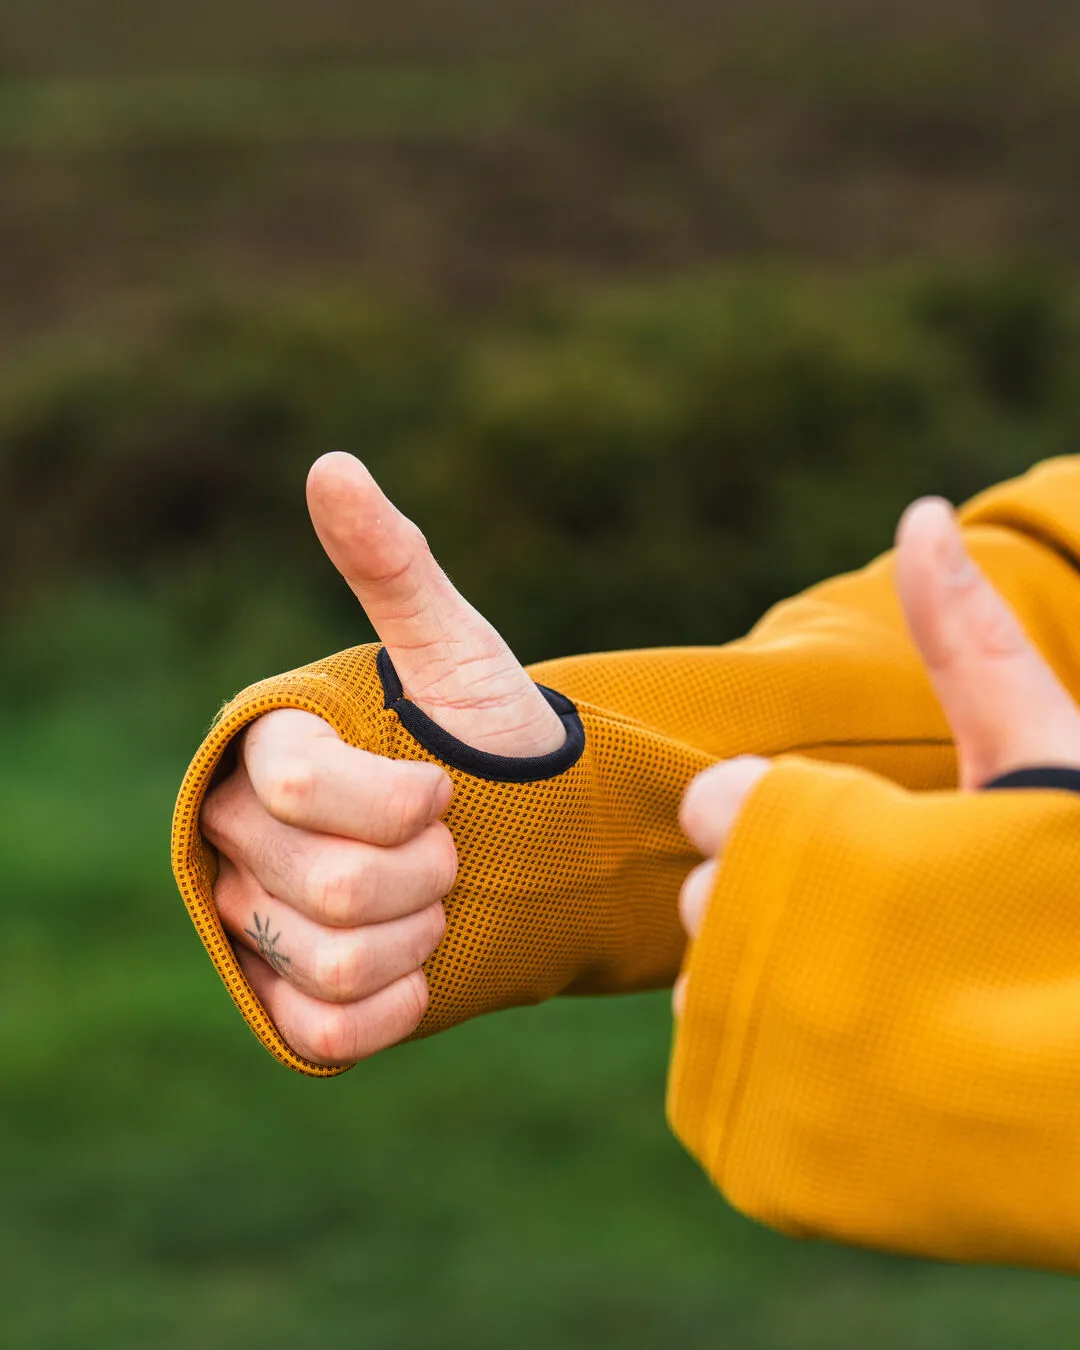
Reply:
x=1058, y=778
x=479, y=763
x=880, y=1040
x=195, y=862
x=727, y=964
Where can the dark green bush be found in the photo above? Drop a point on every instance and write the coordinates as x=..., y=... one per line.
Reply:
x=620, y=468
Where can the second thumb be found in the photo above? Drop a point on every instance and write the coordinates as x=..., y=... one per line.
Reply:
x=1006, y=707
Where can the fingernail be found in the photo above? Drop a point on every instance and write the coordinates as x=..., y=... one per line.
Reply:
x=440, y=799
x=714, y=799
x=953, y=556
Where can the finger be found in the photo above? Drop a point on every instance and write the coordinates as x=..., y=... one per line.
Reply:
x=678, y=995
x=386, y=561
x=341, y=883
x=694, y=896
x=318, y=783
x=1006, y=707
x=335, y=965
x=336, y=1034
x=713, y=800
x=451, y=662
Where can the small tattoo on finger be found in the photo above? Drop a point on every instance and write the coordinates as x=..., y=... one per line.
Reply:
x=267, y=946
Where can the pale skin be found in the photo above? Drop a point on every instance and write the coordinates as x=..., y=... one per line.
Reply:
x=335, y=863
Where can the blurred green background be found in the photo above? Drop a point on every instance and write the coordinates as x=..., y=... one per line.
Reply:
x=651, y=313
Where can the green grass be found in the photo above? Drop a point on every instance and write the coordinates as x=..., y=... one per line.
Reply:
x=511, y=1183
x=234, y=235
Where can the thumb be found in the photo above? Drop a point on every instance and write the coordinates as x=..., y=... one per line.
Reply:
x=1006, y=707
x=452, y=663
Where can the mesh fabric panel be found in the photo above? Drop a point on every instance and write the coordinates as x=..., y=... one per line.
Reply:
x=564, y=885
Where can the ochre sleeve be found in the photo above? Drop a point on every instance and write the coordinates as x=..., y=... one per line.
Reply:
x=881, y=1037
x=569, y=873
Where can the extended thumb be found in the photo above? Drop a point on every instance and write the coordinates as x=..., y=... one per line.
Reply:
x=381, y=554
x=452, y=663
x=1006, y=707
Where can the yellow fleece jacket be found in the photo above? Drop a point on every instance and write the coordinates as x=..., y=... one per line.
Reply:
x=882, y=1034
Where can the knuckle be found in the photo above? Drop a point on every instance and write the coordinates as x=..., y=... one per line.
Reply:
x=694, y=896
x=212, y=818
x=413, y=999
x=330, y=891
x=327, y=972
x=998, y=632
x=426, y=931
x=433, y=933
x=714, y=799
x=414, y=536
x=288, y=788
x=279, y=728
x=221, y=811
x=343, y=974
x=264, y=739
x=255, y=733
x=404, y=808
x=331, y=1038
x=690, y=808
x=445, y=860
x=229, y=894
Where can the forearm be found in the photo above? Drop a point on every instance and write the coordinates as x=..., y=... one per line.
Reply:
x=568, y=882
x=832, y=674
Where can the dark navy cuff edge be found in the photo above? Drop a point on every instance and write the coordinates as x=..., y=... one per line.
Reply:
x=480, y=763
x=1042, y=776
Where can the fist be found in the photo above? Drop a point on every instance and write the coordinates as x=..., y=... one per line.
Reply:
x=333, y=862
x=333, y=868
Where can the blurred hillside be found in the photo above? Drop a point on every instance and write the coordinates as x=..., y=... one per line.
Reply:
x=650, y=314
x=631, y=467
x=472, y=149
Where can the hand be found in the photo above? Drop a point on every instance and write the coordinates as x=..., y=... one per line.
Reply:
x=1006, y=707
x=333, y=861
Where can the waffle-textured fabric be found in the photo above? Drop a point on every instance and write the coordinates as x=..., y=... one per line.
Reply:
x=881, y=1039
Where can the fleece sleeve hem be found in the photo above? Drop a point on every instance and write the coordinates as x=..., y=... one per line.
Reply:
x=195, y=862
x=483, y=764
x=892, y=1058
x=727, y=965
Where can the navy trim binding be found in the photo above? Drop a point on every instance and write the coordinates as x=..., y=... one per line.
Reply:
x=1050, y=776
x=479, y=763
